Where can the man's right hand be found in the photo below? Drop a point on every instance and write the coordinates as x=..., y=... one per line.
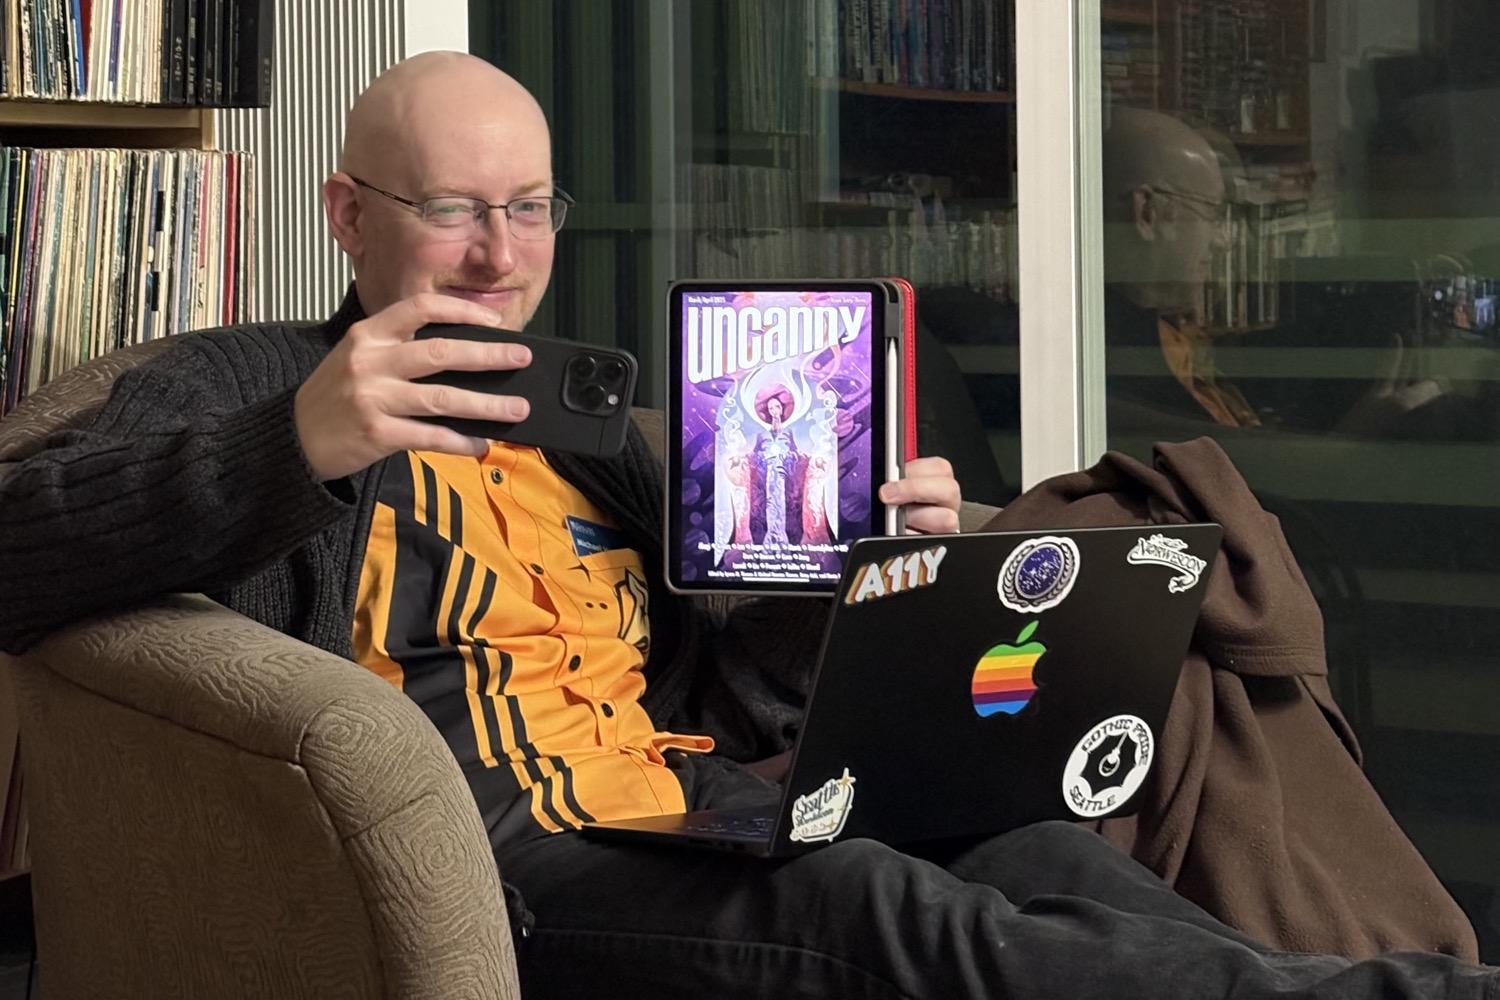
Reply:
x=358, y=406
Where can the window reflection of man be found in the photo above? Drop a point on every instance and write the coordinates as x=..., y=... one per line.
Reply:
x=1165, y=216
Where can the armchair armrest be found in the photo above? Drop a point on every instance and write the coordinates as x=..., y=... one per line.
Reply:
x=219, y=810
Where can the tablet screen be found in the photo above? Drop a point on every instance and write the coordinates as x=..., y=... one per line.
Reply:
x=779, y=402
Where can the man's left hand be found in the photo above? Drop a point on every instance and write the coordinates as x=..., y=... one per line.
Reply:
x=930, y=495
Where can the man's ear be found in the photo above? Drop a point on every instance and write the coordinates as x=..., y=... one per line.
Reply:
x=1144, y=212
x=341, y=206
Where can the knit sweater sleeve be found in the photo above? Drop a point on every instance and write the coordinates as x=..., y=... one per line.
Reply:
x=183, y=482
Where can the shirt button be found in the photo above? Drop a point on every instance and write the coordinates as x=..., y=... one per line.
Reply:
x=536, y=569
x=575, y=663
x=608, y=710
x=497, y=477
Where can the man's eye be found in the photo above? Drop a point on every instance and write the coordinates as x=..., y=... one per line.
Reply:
x=449, y=209
x=536, y=208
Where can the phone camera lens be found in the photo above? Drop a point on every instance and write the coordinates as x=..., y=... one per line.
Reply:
x=593, y=396
x=582, y=366
x=612, y=370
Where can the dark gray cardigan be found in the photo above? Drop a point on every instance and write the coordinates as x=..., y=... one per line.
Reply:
x=192, y=478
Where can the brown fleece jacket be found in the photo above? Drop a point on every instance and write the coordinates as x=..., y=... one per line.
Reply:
x=1259, y=810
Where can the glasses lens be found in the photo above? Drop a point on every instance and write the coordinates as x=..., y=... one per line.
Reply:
x=535, y=218
x=451, y=213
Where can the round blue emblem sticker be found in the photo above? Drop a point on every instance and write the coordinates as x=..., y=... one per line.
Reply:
x=1038, y=574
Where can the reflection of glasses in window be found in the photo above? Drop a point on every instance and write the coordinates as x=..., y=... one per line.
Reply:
x=1208, y=209
x=533, y=217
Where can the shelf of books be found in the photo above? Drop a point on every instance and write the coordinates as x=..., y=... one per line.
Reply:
x=103, y=248
x=900, y=92
x=884, y=144
x=924, y=49
x=119, y=221
x=214, y=53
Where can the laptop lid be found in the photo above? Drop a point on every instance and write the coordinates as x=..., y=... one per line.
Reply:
x=974, y=683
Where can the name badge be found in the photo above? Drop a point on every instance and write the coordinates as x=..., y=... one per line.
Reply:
x=590, y=537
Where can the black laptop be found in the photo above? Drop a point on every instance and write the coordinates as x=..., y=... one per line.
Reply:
x=970, y=684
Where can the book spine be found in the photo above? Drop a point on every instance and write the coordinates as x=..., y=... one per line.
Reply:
x=192, y=10
x=208, y=49
x=255, y=37
x=176, y=43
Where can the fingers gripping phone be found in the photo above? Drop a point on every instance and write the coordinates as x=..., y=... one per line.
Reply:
x=580, y=394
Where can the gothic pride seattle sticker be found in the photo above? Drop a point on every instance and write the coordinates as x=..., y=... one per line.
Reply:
x=1108, y=766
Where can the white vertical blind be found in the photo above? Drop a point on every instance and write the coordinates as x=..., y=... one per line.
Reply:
x=326, y=53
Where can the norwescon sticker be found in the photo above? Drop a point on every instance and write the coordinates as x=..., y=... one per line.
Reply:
x=1160, y=550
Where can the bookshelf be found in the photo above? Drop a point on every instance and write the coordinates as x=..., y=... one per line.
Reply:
x=882, y=142
x=95, y=123
x=900, y=92
x=1241, y=70
x=120, y=220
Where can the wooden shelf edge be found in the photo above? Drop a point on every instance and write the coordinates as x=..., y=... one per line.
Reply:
x=1269, y=138
x=98, y=114
x=1126, y=16
x=903, y=92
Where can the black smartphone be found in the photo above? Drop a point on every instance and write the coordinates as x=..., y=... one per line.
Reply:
x=580, y=394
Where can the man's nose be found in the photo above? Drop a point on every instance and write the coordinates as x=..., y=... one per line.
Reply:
x=1223, y=233
x=493, y=243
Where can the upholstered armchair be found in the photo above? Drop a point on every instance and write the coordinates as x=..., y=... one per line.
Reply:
x=221, y=811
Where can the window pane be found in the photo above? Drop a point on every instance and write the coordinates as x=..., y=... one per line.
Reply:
x=1302, y=260
x=783, y=139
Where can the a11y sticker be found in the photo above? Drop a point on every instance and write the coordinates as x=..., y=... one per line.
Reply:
x=820, y=815
x=896, y=575
x=1108, y=765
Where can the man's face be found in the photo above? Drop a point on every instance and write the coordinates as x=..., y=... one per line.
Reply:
x=1200, y=229
x=496, y=157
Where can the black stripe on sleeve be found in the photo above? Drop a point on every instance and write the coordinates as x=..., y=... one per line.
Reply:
x=569, y=797
x=485, y=666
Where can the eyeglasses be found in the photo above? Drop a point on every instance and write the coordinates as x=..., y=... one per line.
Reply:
x=1208, y=209
x=534, y=217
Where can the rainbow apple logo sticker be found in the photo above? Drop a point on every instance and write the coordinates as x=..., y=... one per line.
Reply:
x=1002, y=680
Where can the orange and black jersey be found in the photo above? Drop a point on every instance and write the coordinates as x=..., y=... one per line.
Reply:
x=494, y=595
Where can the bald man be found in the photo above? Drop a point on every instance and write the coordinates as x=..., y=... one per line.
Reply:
x=1165, y=214
x=278, y=468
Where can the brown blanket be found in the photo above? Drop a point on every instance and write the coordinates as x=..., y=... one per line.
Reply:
x=1259, y=810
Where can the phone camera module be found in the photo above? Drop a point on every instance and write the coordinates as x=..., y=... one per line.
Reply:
x=593, y=396
x=612, y=371
x=595, y=384
x=582, y=366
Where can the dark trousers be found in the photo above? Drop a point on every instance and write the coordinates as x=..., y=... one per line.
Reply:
x=1049, y=910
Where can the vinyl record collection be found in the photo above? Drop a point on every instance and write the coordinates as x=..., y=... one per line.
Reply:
x=103, y=248
x=203, y=52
